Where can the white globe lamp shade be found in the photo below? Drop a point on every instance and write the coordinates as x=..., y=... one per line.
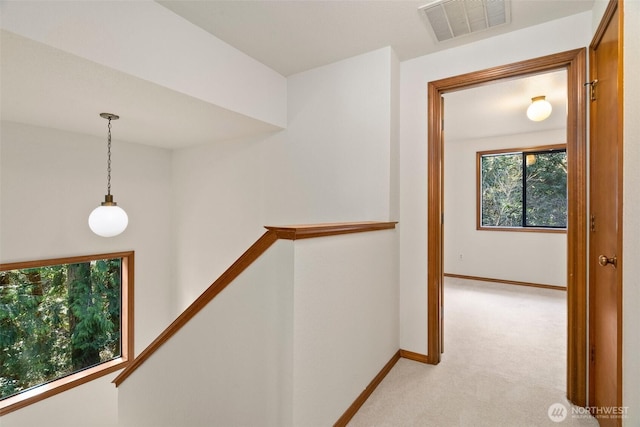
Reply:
x=539, y=109
x=108, y=220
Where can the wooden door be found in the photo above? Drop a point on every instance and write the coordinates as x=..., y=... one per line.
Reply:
x=605, y=257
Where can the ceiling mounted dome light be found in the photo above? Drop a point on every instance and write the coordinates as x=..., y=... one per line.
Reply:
x=108, y=219
x=539, y=109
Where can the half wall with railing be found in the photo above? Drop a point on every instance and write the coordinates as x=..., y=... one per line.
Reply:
x=291, y=334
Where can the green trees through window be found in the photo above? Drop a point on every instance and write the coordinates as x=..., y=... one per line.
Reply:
x=523, y=189
x=58, y=320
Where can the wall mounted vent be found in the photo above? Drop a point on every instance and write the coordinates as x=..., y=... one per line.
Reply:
x=455, y=18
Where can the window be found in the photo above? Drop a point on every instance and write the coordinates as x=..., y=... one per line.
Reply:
x=523, y=189
x=63, y=322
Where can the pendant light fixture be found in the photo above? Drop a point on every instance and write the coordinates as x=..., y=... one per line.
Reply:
x=539, y=109
x=108, y=219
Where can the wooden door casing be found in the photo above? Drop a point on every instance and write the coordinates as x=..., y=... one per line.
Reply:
x=575, y=63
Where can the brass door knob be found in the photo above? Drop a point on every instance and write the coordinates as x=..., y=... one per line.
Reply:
x=604, y=261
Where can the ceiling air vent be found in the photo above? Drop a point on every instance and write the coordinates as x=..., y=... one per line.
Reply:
x=454, y=18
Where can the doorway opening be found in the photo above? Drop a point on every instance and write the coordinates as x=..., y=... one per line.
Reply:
x=574, y=62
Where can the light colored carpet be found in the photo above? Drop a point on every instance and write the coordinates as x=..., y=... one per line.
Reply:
x=504, y=365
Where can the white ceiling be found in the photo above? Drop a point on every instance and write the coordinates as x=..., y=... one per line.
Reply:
x=44, y=86
x=500, y=108
x=294, y=36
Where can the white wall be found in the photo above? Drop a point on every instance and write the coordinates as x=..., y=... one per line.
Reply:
x=552, y=37
x=93, y=404
x=218, y=211
x=231, y=364
x=631, y=213
x=521, y=256
x=336, y=161
x=50, y=181
x=346, y=320
x=333, y=162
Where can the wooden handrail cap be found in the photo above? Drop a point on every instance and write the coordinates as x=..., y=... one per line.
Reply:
x=304, y=231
